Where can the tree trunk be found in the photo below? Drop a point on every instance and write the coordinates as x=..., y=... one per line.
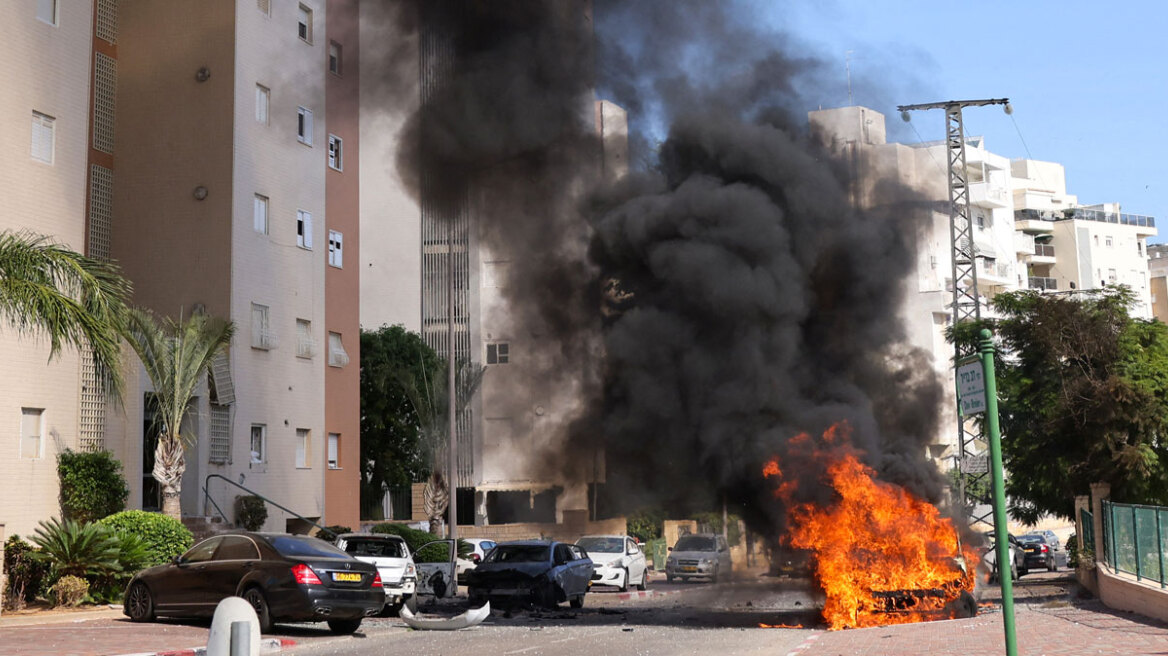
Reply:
x=435, y=498
x=169, y=465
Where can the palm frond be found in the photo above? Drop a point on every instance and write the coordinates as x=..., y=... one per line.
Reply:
x=49, y=291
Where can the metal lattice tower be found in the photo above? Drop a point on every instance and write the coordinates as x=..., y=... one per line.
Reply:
x=966, y=304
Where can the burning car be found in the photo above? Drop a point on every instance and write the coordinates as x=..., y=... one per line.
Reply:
x=532, y=571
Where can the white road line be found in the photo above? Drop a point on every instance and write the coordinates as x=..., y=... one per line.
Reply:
x=553, y=642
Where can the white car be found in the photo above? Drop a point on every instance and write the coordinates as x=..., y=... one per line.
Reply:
x=617, y=560
x=480, y=547
x=391, y=556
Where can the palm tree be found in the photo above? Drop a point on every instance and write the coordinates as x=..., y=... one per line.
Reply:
x=431, y=400
x=176, y=356
x=50, y=291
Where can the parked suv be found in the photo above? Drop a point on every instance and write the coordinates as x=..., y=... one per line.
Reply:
x=698, y=556
x=391, y=556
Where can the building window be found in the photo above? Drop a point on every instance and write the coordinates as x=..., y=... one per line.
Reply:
x=259, y=444
x=47, y=11
x=304, y=23
x=32, y=428
x=334, y=57
x=220, y=451
x=304, y=125
x=304, y=229
x=498, y=353
x=334, y=450
x=303, y=448
x=262, y=336
x=43, y=136
x=1107, y=241
x=1140, y=247
x=260, y=214
x=263, y=103
x=337, y=357
x=336, y=249
x=335, y=157
x=1111, y=276
x=305, y=344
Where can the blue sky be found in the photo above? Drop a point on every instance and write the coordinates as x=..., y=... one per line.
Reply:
x=1087, y=80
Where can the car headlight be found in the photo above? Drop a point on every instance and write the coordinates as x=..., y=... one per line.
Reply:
x=707, y=561
x=411, y=571
x=614, y=563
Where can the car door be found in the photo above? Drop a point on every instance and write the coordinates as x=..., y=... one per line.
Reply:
x=184, y=584
x=581, y=567
x=236, y=556
x=435, y=571
x=636, y=561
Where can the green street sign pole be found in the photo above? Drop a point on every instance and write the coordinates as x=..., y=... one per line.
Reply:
x=1001, y=535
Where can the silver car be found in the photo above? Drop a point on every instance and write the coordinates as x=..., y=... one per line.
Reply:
x=699, y=556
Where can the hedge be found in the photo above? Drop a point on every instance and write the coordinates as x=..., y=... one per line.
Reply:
x=165, y=537
x=92, y=485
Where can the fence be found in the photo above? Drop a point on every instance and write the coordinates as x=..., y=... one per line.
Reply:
x=1134, y=540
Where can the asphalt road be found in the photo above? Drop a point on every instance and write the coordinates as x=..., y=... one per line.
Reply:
x=677, y=619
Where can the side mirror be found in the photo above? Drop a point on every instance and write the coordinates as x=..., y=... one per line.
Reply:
x=177, y=560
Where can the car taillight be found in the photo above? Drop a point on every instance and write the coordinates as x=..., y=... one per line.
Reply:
x=1044, y=548
x=475, y=557
x=304, y=575
x=377, y=581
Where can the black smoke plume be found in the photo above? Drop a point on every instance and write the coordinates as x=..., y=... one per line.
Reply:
x=724, y=296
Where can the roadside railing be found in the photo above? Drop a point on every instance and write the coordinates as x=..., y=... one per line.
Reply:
x=207, y=499
x=1133, y=540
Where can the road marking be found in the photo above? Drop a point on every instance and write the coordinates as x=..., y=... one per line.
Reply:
x=805, y=645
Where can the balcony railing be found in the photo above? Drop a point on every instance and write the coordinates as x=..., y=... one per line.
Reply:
x=1083, y=214
x=1044, y=250
x=1049, y=284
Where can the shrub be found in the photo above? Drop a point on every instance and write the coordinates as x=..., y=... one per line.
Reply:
x=415, y=539
x=250, y=512
x=330, y=533
x=77, y=549
x=647, y=524
x=164, y=537
x=70, y=590
x=133, y=555
x=92, y=485
x=24, y=575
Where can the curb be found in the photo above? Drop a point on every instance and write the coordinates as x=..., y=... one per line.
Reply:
x=267, y=645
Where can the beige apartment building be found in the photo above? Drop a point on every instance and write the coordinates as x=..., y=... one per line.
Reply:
x=218, y=145
x=1028, y=232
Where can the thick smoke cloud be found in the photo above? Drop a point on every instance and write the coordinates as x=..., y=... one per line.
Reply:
x=720, y=299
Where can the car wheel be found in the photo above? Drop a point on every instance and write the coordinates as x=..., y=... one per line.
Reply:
x=644, y=580
x=344, y=627
x=547, y=596
x=255, y=597
x=624, y=586
x=577, y=601
x=140, y=603
x=1022, y=571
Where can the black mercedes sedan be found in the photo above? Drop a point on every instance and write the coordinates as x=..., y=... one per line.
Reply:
x=293, y=578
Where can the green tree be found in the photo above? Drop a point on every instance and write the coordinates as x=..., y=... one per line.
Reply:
x=394, y=364
x=1083, y=391
x=176, y=356
x=47, y=290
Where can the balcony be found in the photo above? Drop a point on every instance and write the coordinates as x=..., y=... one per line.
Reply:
x=1043, y=254
x=1144, y=225
x=985, y=194
x=1043, y=284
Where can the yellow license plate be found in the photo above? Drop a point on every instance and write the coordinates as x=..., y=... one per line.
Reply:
x=346, y=576
x=689, y=569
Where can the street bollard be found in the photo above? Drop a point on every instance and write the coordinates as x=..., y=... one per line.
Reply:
x=235, y=629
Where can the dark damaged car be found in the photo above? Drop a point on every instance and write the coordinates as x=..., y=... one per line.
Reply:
x=530, y=571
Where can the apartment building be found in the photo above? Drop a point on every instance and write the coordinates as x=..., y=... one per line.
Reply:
x=1027, y=231
x=47, y=143
x=212, y=149
x=1158, y=280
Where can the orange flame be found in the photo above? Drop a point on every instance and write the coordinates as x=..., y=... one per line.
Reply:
x=779, y=626
x=882, y=556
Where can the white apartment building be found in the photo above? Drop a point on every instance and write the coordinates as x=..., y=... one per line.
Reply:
x=1028, y=232
x=45, y=129
x=201, y=146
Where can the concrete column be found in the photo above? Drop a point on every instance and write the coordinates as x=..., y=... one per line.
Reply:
x=1099, y=492
x=1085, y=572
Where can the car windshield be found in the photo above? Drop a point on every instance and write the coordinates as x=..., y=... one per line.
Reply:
x=1031, y=539
x=519, y=553
x=694, y=543
x=601, y=545
x=294, y=545
x=375, y=547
